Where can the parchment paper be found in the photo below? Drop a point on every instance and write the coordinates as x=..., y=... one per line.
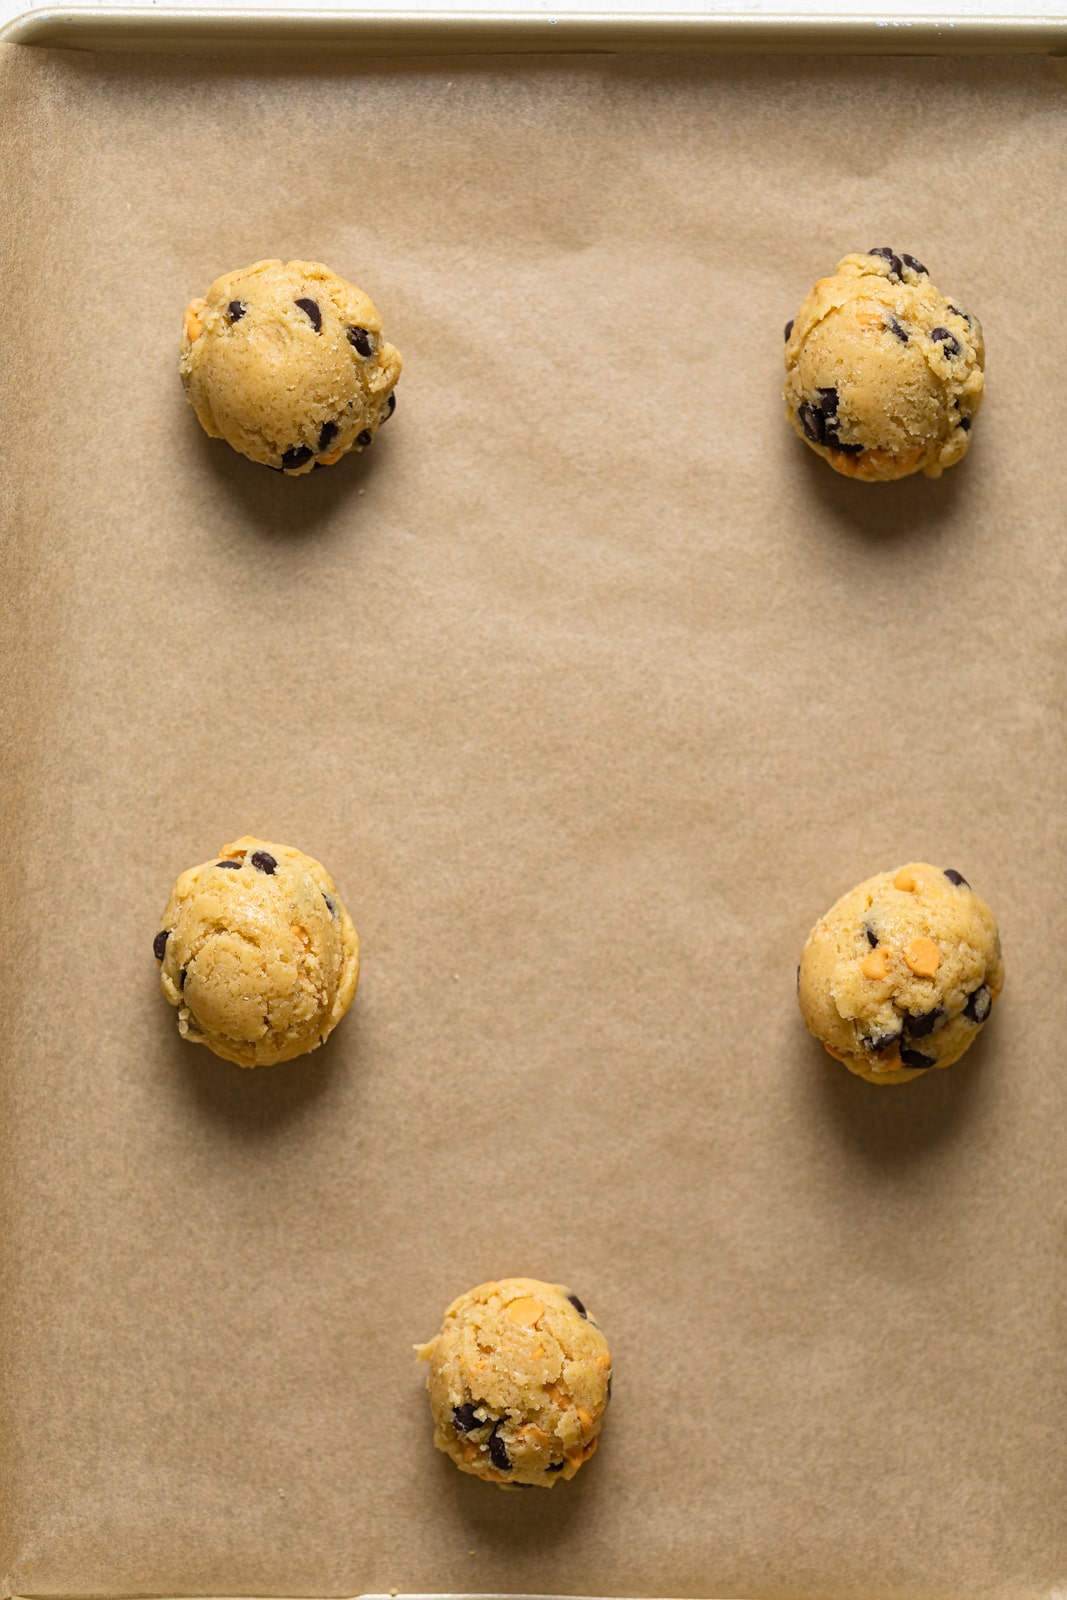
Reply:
x=593, y=689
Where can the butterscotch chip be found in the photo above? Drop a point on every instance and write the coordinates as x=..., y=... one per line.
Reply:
x=901, y=973
x=877, y=964
x=922, y=957
x=525, y=1313
x=257, y=953
x=520, y=1376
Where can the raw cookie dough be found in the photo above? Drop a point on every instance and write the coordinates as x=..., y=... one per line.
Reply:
x=258, y=953
x=286, y=362
x=520, y=1375
x=883, y=373
x=901, y=973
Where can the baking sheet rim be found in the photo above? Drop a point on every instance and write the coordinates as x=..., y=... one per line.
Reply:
x=419, y=32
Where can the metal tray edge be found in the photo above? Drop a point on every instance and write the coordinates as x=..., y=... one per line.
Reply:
x=410, y=32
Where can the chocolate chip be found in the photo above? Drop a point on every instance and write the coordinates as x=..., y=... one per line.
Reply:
x=327, y=434
x=812, y=421
x=798, y=978
x=159, y=944
x=886, y=254
x=979, y=1004
x=958, y=311
x=956, y=877
x=464, y=1420
x=875, y=1043
x=390, y=405
x=264, y=862
x=916, y=266
x=497, y=1453
x=965, y=424
x=235, y=310
x=364, y=438
x=917, y=1027
x=313, y=313
x=951, y=343
x=577, y=1304
x=912, y=1058
x=296, y=457
x=897, y=329
x=330, y=905
x=789, y=328
x=555, y=1466
x=234, y=866
x=183, y=974
x=872, y=937
x=819, y=422
x=362, y=340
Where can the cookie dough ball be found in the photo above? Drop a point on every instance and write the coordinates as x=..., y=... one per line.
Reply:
x=286, y=362
x=519, y=1379
x=258, y=953
x=901, y=973
x=883, y=373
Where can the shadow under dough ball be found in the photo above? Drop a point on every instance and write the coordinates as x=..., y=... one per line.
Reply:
x=258, y=953
x=901, y=973
x=520, y=1377
x=286, y=362
x=883, y=372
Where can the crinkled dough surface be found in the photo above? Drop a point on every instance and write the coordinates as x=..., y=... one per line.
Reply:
x=901, y=973
x=520, y=1376
x=286, y=362
x=258, y=953
x=884, y=373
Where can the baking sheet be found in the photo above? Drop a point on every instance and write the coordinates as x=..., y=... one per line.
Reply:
x=593, y=689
